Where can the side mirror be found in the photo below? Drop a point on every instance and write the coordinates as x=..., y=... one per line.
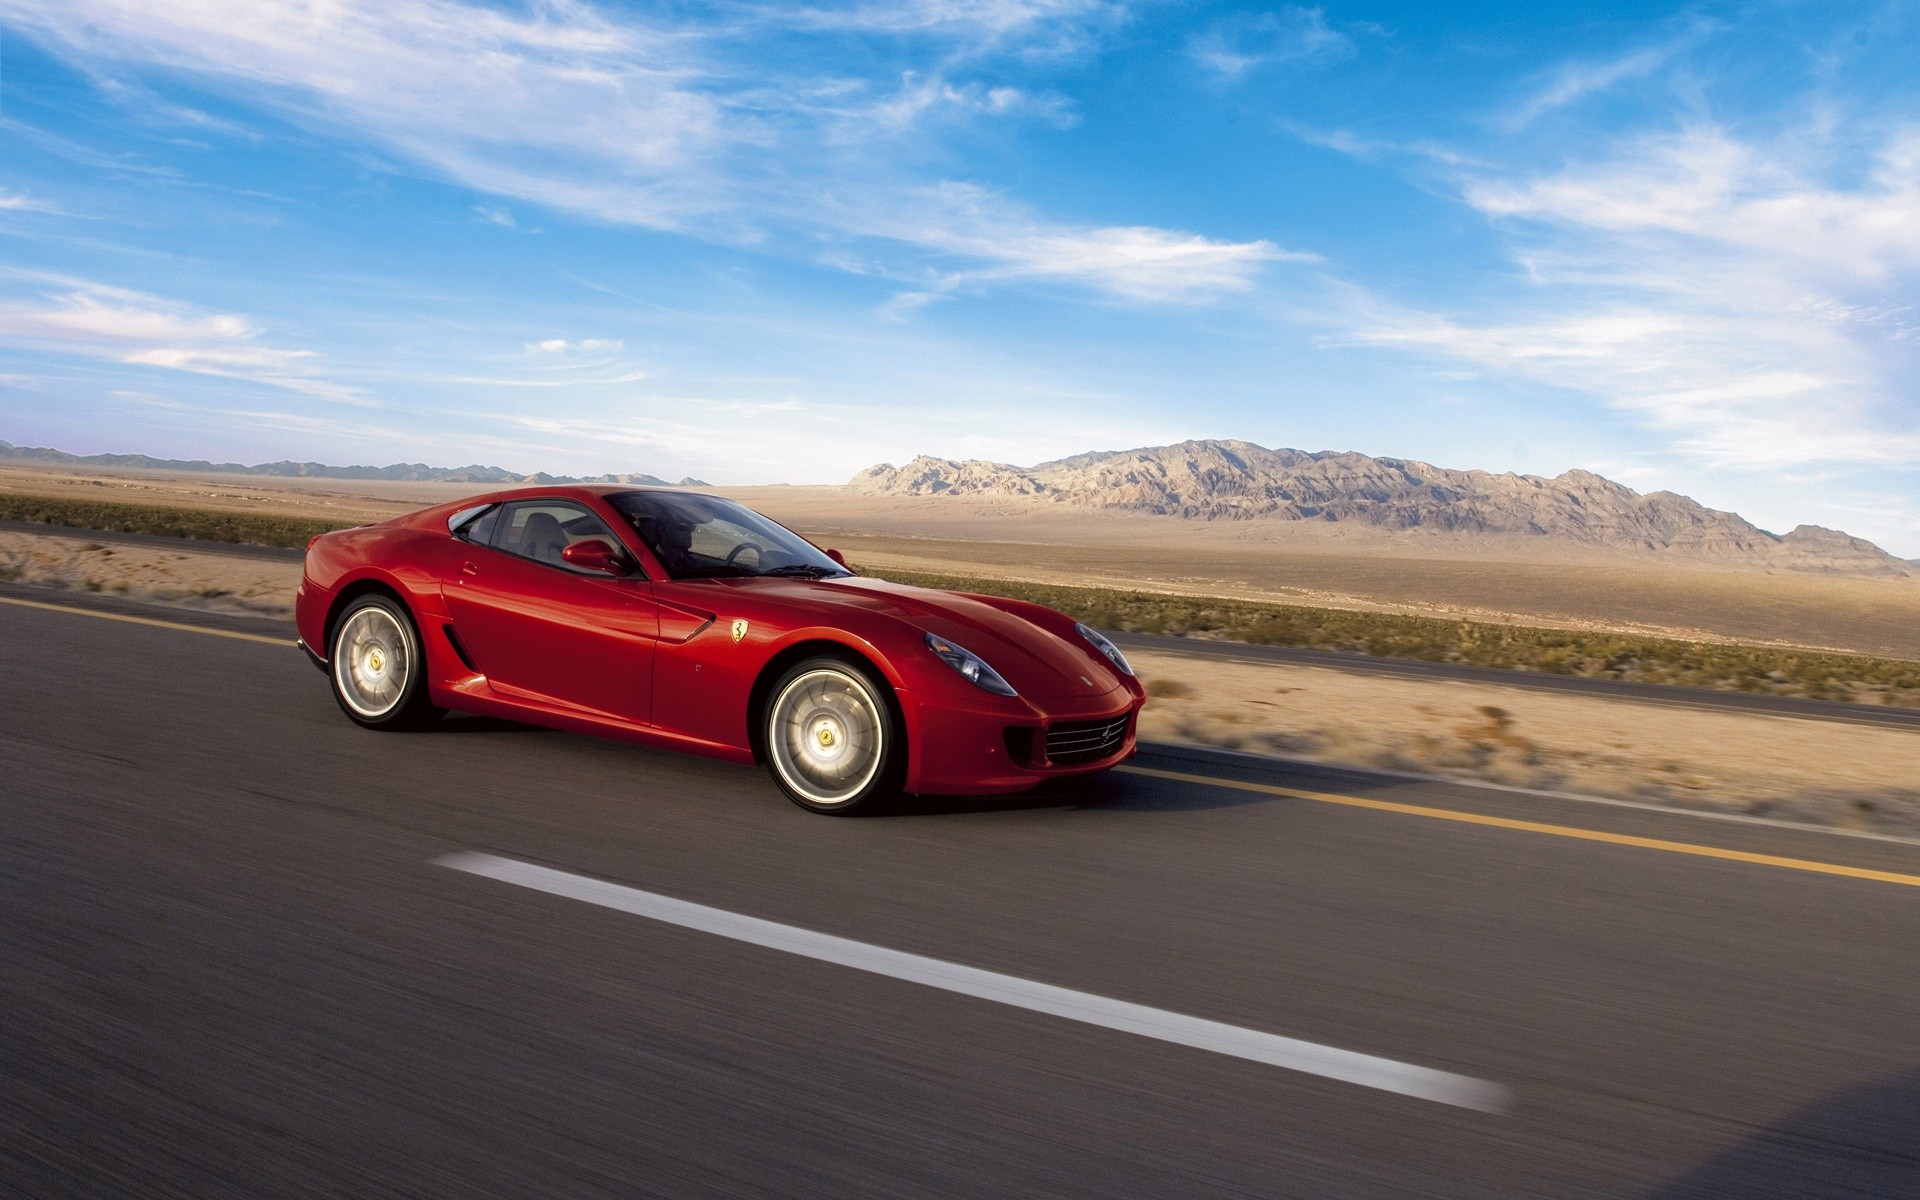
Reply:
x=838, y=557
x=595, y=555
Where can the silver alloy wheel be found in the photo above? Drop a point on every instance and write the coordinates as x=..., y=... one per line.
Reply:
x=372, y=662
x=826, y=735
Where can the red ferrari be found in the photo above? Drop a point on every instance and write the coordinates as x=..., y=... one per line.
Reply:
x=686, y=620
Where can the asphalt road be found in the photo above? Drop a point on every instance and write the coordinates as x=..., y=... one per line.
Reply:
x=231, y=964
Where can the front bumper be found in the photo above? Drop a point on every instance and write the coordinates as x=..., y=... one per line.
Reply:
x=969, y=751
x=313, y=656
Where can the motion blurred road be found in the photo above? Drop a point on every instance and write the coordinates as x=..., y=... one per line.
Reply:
x=231, y=966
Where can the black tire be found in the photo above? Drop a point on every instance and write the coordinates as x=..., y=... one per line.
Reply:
x=377, y=667
x=833, y=737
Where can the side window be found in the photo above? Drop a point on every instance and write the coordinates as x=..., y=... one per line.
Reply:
x=542, y=529
x=469, y=527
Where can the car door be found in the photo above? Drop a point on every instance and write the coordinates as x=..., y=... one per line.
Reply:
x=538, y=627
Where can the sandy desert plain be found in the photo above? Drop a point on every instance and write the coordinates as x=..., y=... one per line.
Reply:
x=1842, y=775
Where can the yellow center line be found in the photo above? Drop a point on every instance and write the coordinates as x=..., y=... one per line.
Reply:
x=107, y=616
x=1566, y=831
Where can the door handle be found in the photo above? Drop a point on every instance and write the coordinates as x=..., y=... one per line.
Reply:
x=469, y=570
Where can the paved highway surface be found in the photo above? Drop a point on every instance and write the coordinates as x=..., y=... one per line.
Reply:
x=234, y=961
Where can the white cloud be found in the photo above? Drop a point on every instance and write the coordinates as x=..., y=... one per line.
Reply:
x=1137, y=262
x=559, y=363
x=563, y=346
x=1353, y=145
x=562, y=93
x=1715, y=191
x=1732, y=390
x=12, y=201
x=965, y=18
x=583, y=110
x=918, y=98
x=99, y=321
x=1233, y=47
x=1573, y=82
x=1758, y=315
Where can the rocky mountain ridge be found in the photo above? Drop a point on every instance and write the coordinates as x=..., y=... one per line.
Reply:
x=1214, y=480
x=287, y=469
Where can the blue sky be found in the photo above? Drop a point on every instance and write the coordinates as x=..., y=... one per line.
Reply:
x=755, y=243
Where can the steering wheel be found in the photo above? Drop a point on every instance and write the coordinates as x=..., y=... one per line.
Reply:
x=758, y=551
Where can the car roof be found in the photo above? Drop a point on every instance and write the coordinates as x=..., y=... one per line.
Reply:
x=574, y=491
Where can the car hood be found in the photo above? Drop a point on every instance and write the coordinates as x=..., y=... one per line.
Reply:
x=1039, y=664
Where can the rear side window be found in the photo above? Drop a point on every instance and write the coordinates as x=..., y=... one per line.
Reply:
x=542, y=529
x=475, y=524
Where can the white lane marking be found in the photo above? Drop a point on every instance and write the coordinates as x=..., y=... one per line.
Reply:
x=1366, y=1070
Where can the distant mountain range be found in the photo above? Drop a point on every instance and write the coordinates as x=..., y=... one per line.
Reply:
x=1212, y=480
x=408, y=472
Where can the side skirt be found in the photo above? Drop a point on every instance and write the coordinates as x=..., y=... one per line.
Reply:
x=473, y=695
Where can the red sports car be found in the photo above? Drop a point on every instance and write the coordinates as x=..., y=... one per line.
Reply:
x=683, y=619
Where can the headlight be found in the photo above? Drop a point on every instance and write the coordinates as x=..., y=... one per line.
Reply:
x=971, y=665
x=1099, y=642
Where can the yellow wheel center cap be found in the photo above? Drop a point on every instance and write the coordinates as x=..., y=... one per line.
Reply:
x=374, y=660
x=826, y=737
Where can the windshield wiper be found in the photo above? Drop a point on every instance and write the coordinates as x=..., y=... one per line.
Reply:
x=804, y=571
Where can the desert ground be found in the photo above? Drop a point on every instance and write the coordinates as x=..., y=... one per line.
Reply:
x=1786, y=768
x=1819, y=772
x=1519, y=580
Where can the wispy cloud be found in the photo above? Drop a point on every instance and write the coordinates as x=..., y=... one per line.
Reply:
x=1572, y=82
x=1347, y=142
x=562, y=92
x=493, y=214
x=1716, y=289
x=1712, y=190
x=1238, y=45
x=605, y=115
x=557, y=362
x=962, y=18
x=586, y=345
x=1009, y=243
x=922, y=97
x=100, y=321
x=12, y=201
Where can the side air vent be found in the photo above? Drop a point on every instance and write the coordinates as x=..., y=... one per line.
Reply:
x=453, y=639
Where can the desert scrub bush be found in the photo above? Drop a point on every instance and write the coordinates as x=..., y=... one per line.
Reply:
x=1603, y=655
x=256, y=529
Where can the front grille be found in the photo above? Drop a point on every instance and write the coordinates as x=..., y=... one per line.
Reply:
x=1070, y=742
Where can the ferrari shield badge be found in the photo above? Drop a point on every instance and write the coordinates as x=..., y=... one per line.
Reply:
x=739, y=628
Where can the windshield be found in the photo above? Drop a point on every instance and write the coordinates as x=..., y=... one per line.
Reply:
x=705, y=537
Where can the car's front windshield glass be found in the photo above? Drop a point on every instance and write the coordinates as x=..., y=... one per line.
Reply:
x=706, y=537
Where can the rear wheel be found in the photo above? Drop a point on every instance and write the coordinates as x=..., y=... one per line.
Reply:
x=379, y=675
x=832, y=742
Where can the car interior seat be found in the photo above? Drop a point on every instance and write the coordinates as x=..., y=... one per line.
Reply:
x=543, y=539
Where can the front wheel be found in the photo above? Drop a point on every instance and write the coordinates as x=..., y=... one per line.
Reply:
x=832, y=742
x=379, y=675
